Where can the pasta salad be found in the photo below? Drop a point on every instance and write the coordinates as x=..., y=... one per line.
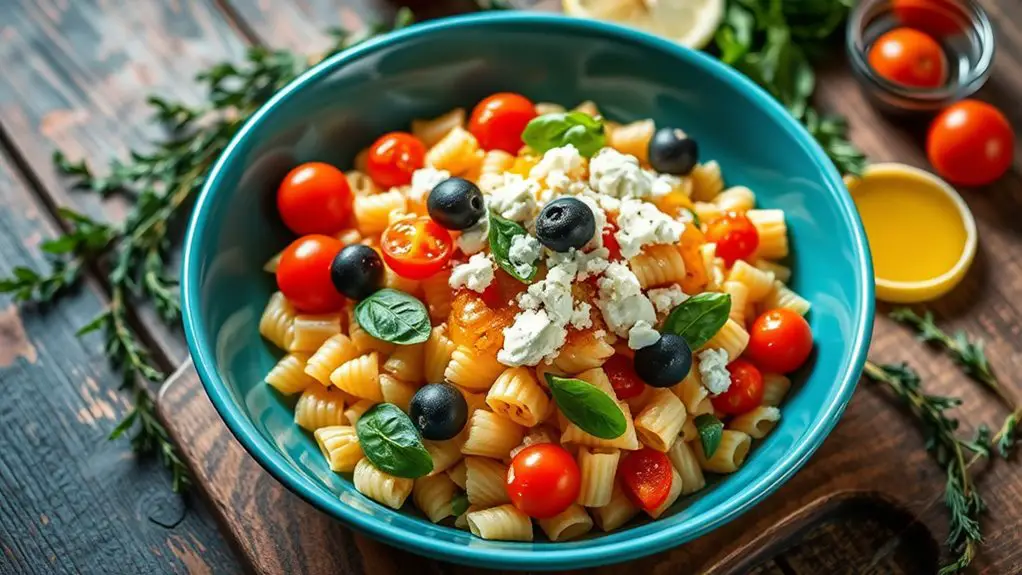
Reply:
x=525, y=314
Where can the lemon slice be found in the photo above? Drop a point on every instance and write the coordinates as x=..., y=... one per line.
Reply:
x=690, y=23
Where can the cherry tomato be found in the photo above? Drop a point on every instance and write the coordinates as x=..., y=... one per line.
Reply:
x=971, y=143
x=498, y=121
x=416, y=249
x=735, y=236
x=314, y=198
x=646, y=477
x=746, y=391
x=394, y=158
x=909, y=57
x=303, y=274
x=543, y=480
x=621, y=373
x=931, y=16
x=780, y=341
x=610, y=242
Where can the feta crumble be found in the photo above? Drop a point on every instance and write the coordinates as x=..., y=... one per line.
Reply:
x=599, y=217
x=642, y=335
x=552, y=293
x=665, y=299
x=559, y=169
x=621, y=300
x=619, y=175
x=523, y=254
x=582, y=265
x=476, y=274
x=664, y=184
x=580, y=318
x=423, y=182
x=713, y=370
x=515, y=199
x=475, y=238
x=641, y=224
x=531, y=338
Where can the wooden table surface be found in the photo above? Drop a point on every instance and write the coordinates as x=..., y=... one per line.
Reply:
x=74, y=75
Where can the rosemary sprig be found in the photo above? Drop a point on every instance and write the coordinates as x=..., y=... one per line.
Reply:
x=134, y=254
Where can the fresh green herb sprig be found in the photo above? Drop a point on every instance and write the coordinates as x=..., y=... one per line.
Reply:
x=161, y=182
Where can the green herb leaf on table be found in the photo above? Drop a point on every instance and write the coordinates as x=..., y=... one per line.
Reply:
x=711, y=430
x=394, y=316
x=699, y=317
x=390, y=441
x=459, y=504
x=588, y=407
x=502, y=233
x=551, y=131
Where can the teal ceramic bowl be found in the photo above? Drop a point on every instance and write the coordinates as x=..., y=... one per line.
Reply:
x=343, y=104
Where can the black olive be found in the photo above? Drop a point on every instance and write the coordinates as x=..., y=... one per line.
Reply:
x=439, y=411
x=671, y=152
x=357, y=271
x=456, y=204
x=664, y=363
x=565, y=223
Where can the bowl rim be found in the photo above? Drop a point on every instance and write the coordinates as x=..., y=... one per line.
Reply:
x=553, y=556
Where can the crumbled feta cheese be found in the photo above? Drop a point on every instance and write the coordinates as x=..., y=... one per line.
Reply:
x=664, y=184
x=523, y=253
x=599, y=217
x=488, y=183
x=558, y=167
x=641, y=224
x=609, y=204
x=552, y=293
x=580, y=318
x=619, y=175
x=621, y=300
x=642, y=335
x=475, y=238
x=515, y=199
x=475, y=275
x=665, y=299
x=582, y=264
x=713, y=370
x=531, y=338
x=423, y=182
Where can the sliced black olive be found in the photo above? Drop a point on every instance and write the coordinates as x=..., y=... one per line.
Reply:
x=565, y=223
x=671, y=152
x=456, y=204
x=439, y=411
x=357, y=271
x=664, y=363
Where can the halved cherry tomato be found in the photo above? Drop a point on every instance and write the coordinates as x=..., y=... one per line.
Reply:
x=610, y=242
x=394, y=157
x=735, y=236
x=780, y=341
x=646, y=477
x=621, y=373
x=746, y=391
x=931, y=16
x=971, y=143
x=314, y=198
x=909, y=57
x=303, y=274
x=498, y=121
x=417, y=248
x=543, y=480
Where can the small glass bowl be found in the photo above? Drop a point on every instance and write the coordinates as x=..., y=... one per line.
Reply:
x=961, y=27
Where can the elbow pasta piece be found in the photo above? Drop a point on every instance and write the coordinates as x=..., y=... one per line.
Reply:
x=712, y=265
x=393, y=281
x=782, y=297
x=486, y=482
x=445, y=454
x=472, y=370
x=310, y=331
x=736, y=199
x=582, y=354
x=544, y=368
x=349, y=236
x=361, y=160
x=730, y=454
x=381, y=487
x=707, y=181
x=588, y=107
x=706, y=211
x=758, y=281
x=757, y=422
x=617, y=512
x=406, y=363
x=659, y=423
x=339, y=445
x=319, y=407
x=685, y=462
x=271, y=264
x=732, y=338
x=437, y=354
x=355, y=410
x=364, y=342
x=658, y=265
x=781, y=273
x=372, y=213
x=773, y=233
x=639, y=402
x=633, y=139
x=277, y=321
x=456, y=152
x=437, y=292
x=568, y=524
x=689, y=431
x=775, y=387
x=461, y=521
x=360, y=377
x=571, y=433
x=475, y=402
x=543, y=108
x=361, y=185
x=517, y=396
x=496, y=162
x=332, y=354
x=490, y=435
x=692, y=393
x=676, y=487
x=739, y=293
x=396, y=391
x=504, y=523
x=288, y=376
x=598, y=469
x=431, y=131
x=459, y=474
x=433, y=494
x=538, y=434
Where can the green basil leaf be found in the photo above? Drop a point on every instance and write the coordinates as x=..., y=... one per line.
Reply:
x=459, y=504
x=734, y=37
x=394, y=316
x=502, y=233
x=592, y=410
x=551, y=131
x=390, y=441
x=699, y=318
x=710, y=431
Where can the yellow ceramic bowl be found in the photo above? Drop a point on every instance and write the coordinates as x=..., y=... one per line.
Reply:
x=921, y=234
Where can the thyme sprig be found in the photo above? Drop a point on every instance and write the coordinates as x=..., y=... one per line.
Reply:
x=134, y=254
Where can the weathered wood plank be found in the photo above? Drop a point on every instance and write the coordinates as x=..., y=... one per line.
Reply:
x=71, y=500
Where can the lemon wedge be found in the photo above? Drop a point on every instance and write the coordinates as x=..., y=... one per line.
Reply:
x=690, y=23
